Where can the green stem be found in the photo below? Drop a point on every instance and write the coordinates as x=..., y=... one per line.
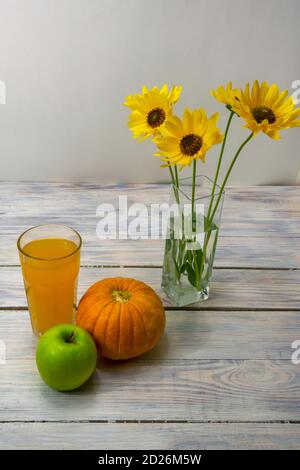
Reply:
x=228, y=174
x=175, y=255
x=219, y=163
x=176, y=176
x=194, y=221
x=172, y=175
x=175, y=185
x=193, y=189
x=207, y=234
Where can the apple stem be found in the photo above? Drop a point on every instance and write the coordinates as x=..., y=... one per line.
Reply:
x=71, y=338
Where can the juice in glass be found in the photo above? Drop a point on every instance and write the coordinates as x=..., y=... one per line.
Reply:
x=50, y=260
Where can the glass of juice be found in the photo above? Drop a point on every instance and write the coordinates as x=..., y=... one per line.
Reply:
x=50, y=260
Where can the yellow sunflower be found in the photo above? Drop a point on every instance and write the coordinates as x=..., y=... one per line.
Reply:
x=229, y=96
x=267, y=109
x=187, y=139
x=151, y=109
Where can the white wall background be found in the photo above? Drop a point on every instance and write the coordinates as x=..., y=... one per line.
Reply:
x=68, y=64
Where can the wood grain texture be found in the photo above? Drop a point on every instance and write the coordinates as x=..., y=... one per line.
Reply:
x=233, y=252
x=150, y=436
x=231, y=288
x=250, y=217
x=189, y=390
x=25, y=198
x=189, y=335
x=238, y=225
x=221, y=377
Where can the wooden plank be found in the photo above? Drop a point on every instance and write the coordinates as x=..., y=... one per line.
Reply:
x=236, y=225
x=232, y=252
x=190, y=335
x=29, y=198
x=206, y=390
x=258, y=252
x=231, y=288
x=148, y=436
x=250, y=214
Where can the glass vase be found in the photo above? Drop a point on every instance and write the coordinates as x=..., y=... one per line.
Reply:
x=191, y=240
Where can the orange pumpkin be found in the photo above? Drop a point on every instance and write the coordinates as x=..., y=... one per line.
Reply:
x=125, y=317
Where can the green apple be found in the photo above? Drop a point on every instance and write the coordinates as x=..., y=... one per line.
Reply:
x=66, y=357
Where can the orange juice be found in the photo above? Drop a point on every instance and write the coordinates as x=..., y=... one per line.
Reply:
x=50, y=269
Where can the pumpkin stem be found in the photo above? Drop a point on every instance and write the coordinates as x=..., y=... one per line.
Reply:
x=121, y=295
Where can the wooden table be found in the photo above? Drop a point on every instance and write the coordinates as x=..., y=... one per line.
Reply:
x=222, y=376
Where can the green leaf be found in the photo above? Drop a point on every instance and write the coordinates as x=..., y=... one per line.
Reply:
x=190, y=274
x=199, y=255
x=177, y=267
x=168, y=244
x=183, y=268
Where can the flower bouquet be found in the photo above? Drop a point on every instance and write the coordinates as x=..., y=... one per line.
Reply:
x=196, y=202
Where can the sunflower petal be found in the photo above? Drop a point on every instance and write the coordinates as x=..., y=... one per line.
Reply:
x=267, y=109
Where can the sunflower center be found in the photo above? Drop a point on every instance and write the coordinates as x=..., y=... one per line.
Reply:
x=260, y=113
x=190, y=144
x=156, y=117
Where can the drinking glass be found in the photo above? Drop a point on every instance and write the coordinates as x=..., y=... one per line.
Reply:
x=50, y=261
